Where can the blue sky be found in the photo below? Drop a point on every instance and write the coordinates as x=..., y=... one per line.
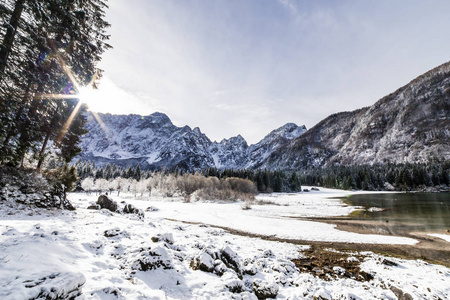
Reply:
x=249, y=66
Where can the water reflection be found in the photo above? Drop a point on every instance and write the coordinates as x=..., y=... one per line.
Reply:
x=422, y=210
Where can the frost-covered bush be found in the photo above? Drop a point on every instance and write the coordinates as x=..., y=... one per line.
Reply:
x=101, y=185
x=88, y=184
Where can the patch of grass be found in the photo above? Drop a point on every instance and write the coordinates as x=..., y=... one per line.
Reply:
x=329, y=264
x=358, y=214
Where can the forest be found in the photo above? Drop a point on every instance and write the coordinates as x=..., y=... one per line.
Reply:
x=401, y=177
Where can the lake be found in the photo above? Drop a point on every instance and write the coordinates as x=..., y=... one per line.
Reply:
x=425, y=211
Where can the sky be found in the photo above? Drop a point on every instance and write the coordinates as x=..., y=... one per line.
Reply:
x=247, y=67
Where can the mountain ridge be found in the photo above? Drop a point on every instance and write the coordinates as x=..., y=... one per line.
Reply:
x=154, y=142
x=412, y=124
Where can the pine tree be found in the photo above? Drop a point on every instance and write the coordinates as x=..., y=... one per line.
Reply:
x=43, y=41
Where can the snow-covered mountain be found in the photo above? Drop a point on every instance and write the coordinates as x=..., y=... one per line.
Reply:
x=154, y=142
x=410, y=125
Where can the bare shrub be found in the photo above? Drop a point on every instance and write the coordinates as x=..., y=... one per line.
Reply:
x=241, y=185
x=189, y=183
x=230, y=189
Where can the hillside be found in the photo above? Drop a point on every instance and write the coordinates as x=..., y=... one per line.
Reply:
x=410, y=125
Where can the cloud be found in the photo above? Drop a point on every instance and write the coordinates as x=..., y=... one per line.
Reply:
x=290, y=5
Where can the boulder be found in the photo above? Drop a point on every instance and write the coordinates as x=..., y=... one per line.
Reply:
x=130, y=209
x=107, y=203
x=264, y=290
x=153, y=259
x=203, y=261
x=231, y=259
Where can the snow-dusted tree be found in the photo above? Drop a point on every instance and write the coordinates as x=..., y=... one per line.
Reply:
x=134, y=186
x=142, y=186
x=119, y=184
x=88, y=184
x=148, y=185
x=101, y=185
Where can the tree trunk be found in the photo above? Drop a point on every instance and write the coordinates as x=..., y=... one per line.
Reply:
x=25, y=139
x=18, y=115
x=6, y=46
x=42, y=152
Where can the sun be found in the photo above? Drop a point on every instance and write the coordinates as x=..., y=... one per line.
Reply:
x=89, y=96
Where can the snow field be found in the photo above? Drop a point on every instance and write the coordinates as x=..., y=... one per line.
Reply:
x=126, y=257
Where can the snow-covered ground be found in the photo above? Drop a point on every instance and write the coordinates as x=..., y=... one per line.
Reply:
x=445, y=237
x=275, y=219
x=122, y=256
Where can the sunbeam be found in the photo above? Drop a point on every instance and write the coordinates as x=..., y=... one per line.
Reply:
x=84, y=94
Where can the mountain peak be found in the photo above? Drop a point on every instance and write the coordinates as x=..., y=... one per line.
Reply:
x=159, y=118
x=288, y=131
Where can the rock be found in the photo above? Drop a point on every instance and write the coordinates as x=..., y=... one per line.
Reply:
x=264, y=290
x=268, y=254
x=165, y=237
x=231, y=259
x=251, y=269
x=116, y=232
x=130, y=209
x=57, y=285
x=203, y=261
x=152, y=208
x=152, y=259
x=314, y=189
x=400, y=294
x=389, y=263
x=235, y=286
x=94, y=206
x=107, y=203
x=113, y=291
x=220, y=268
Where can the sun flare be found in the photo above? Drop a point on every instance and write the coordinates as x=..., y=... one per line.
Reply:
x=88, y=95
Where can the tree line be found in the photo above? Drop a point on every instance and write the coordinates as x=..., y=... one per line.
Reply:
x=374, y=178
x=48, y=49
x=265, y=181
x=379, y=177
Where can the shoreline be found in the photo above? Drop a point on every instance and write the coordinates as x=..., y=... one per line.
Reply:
x=430, y=249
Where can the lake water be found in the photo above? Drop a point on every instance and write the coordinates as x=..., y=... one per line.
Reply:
x=428, y=211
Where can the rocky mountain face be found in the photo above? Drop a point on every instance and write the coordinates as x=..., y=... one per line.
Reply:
x=154, y=142
x=410, y=125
